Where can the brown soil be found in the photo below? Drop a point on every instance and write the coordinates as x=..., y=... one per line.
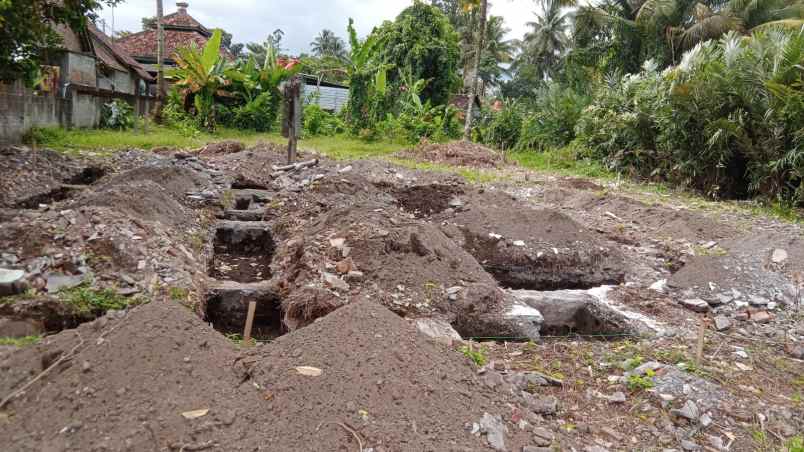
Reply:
x=457, y=153
x=355, y=254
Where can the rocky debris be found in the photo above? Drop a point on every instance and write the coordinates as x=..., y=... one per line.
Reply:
x=722, y=323
x=438, y=330
x=542, y=436
x=795, y=350
x=485, y=311
x=57, y=282
x=494, y=430
x=244, y=215
x=695, y=304
x=544, y=405
x=779, y=256
x=12, y=281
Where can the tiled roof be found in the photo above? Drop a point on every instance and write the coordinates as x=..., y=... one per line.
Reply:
x=112, y=55
x=181, y=29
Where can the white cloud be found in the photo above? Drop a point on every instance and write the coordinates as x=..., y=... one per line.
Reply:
x=253, y=20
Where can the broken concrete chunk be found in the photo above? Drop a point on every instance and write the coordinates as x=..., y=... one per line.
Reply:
x=335, y=282
x=779, y=256
x=57, y=282
x=11, y=281
x=695, y=304
x=722, y=323
x=438, y=331
x=494, y=429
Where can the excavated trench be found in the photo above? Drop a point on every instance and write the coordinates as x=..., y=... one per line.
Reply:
x=65, y=190
x=243, y=248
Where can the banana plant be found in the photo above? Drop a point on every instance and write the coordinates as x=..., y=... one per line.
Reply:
x=200, y=76
x=249, y=80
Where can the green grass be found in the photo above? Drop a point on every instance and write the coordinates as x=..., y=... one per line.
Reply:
x=105, y=141
x=85, y=300
x=20, y=341
x=561, y=162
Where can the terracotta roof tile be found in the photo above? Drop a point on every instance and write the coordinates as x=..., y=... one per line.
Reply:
x=143, y=45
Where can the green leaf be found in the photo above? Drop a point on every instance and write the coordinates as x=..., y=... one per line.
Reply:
x=211, y=51
x=380, y=82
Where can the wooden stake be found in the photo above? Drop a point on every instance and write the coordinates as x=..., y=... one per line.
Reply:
x=252, y=306
x=701, y=335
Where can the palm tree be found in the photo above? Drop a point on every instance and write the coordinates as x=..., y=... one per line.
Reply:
x=549, y=38
x=327, y=44
x=496, y=52
x=469, y=4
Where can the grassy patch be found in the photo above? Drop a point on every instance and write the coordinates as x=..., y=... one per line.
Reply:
x=560, y=161
x=86, y=300
x=476, y=356
x=178, y=293
x=20, y=341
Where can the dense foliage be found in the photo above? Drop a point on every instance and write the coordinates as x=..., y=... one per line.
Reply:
x=422, y=41
x=117, y=114
x=728, y=120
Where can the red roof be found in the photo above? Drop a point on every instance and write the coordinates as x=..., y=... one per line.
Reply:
x=114, y=56
x=181, y=29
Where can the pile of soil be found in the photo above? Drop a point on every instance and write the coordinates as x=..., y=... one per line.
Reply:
x=456, y=153
x=32, y=177
x=379, y=378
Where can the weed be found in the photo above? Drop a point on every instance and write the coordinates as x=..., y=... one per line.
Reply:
x=795, y=444
x=178, y=293
x=228, y=199
x=632, y=363
x=86, y=300
x=640, y=382
x=20, y=341
x=477, y=356
x=237, y=338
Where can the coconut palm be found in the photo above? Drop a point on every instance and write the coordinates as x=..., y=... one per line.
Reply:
x=327, y=44
x=497, y=51
x=549, y=36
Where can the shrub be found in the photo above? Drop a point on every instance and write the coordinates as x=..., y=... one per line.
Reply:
x=552, y=123
x=501, y=129
x=117, y=114
x=259, y=114
x=727, y=120
x=320, y=122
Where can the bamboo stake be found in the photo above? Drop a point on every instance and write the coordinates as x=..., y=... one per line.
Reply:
x=252, y=306
x=701, y=335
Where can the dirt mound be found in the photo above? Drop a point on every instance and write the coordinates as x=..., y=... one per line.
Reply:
x=528, y=248
x=396, y=390
x=33, y=177
x=456, y=153
x=221, y=147
x=98, y=400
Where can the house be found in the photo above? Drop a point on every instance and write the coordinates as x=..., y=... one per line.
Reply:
x=85, y=73
x=461, y=101
x=331, y=97
x=181, y=30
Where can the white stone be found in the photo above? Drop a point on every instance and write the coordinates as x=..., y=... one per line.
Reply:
x=659, y=286
x=438, y=331
x=779, y=256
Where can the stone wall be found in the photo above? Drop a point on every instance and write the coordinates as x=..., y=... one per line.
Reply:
x=21, y=109
x=74, y=106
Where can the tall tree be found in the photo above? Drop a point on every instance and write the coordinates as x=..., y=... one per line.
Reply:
x=549, y=37
x=481, y=34
x=28, y=35
x=497, y=51
x=327, y=44
x=422, y=40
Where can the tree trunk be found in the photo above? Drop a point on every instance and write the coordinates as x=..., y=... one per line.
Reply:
x=467, y=129
x=160, y=52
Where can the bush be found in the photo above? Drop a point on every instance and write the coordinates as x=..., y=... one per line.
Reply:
x=320, y=122
x=117, y=114
x=501, y=129
x=727, y=120
x=437, y=124
x=175, y=117
x=552, y=123
x=259, y=114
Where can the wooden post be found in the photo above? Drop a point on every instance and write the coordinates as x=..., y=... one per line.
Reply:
x=700, y=348
x=291, y=122
x=160, y=52
x=252, y=306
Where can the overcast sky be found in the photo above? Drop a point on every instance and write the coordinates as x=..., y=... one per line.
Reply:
x=301, y=20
